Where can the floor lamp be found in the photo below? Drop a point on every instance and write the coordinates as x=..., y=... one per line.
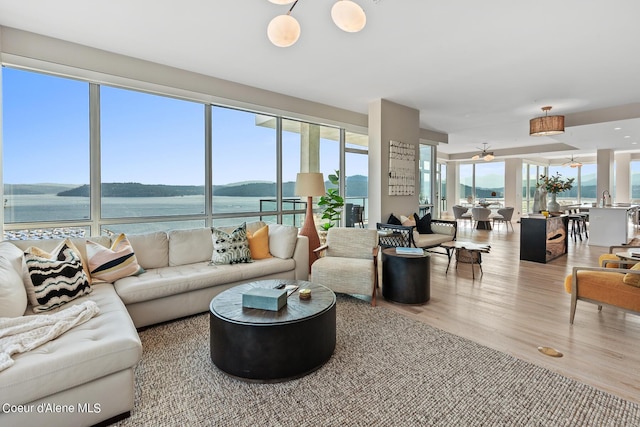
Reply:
x=310, y=184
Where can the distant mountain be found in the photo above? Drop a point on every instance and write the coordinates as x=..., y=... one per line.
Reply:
x=135, y=189
x=357, y=186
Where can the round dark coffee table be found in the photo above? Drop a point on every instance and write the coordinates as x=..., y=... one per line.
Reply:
x=271, y=346
x=406, y=278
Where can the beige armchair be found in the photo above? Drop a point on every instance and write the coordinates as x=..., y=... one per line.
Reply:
x=349, y=262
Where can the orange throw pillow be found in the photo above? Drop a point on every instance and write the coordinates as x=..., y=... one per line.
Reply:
x=259, y=243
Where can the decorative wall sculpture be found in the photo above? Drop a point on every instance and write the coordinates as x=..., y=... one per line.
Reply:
x=402, y=169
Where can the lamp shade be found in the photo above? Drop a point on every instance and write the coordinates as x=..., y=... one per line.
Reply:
x=283, y=30
x=310, y=184
x=546, y=125
x=348, y=16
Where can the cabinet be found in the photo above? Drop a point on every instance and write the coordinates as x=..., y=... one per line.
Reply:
x=543, y=239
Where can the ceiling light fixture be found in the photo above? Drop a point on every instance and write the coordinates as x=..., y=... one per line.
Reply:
x=284, y=30
x=546, y=125
x=486, y=155
x=572, y=163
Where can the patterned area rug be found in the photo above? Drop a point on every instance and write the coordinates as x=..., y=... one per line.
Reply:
x=387, y=370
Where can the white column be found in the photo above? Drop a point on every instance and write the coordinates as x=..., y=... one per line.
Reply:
x=513, y=185
x=604, y=159
x=623, y=178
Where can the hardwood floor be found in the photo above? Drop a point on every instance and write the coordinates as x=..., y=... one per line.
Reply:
x=517, y=306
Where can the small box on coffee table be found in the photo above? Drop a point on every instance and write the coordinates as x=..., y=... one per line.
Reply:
x=265, y=298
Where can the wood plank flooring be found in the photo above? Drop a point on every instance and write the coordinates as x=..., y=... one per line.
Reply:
x=517, y=306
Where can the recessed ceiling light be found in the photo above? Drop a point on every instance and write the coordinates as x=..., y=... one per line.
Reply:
x=617, y=128
x=627, y=136
x=634, y=143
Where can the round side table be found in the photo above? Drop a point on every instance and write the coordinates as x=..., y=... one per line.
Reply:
x=406, y=278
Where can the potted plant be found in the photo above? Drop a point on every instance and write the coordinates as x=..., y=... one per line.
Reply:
x=554, y=184
x=332, y=203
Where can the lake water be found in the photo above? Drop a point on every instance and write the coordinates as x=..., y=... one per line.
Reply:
x=49, y=207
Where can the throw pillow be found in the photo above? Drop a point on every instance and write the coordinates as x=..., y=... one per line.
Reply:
x=633, y=279
x=407, y=221
x=55, y=278
x=231, y=248
x=111, y=264
x=282, y=240
x=13, y=295
x=393, y=220
x=423, y=225
x=259, y=243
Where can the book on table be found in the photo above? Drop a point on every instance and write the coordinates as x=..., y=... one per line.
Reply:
x=409, y=251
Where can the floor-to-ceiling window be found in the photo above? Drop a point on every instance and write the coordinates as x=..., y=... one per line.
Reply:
x=588, y=183
x=357, y=178
x=466, y=184
x=243, y=165
x=94, y=158
x=530, y=179
x=151, y=160
x=489, y=183
x=568, y=197
x=45, y=150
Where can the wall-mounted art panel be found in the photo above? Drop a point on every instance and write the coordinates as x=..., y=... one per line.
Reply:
x=402, y=169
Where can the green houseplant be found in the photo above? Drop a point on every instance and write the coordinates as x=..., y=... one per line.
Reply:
x=332, y=203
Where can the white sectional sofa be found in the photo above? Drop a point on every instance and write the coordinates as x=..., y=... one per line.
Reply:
x=86, y=375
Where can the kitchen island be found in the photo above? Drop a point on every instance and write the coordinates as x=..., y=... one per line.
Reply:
x=612, y=225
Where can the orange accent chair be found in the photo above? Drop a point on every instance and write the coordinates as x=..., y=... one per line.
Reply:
x=617, y=287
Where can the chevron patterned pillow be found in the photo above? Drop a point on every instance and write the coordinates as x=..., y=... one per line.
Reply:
x=55, y=278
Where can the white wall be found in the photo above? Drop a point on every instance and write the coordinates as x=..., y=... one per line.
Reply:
x=389, y=121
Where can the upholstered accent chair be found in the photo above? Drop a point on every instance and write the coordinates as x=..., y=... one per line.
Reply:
x=610, y=259
x=461, y=213
x=503, y=215
x=617, y=287
x=348, y=262
x=480, y=214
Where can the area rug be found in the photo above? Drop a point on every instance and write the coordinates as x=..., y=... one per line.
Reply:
x=387, y=370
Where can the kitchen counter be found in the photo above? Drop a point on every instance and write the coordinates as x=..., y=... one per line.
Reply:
x=612, y=225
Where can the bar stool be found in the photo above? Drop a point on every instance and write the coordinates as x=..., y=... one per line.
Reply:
x=576, y=226
x=583, y=221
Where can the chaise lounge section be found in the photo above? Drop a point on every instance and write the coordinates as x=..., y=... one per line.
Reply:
x=86, y=375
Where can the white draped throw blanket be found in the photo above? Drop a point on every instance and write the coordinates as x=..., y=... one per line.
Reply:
x=20, y=334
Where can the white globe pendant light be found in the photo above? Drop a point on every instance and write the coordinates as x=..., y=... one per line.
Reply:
x=283, y=30
x=348, y=16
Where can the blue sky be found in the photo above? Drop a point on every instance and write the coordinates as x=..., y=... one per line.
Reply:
x=145, y=138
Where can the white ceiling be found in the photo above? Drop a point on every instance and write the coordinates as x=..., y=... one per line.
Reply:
x=477, y=71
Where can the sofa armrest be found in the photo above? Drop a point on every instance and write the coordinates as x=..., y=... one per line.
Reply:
x=301, y=257
x=391, y=235
x=445, y=226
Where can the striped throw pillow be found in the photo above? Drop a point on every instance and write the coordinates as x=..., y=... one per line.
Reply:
x=111, y=264
x=55, y=278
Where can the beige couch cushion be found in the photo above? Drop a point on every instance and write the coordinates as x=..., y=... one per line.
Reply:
x=106, y=344
x=162, y=282
x=49, y=245
x=428, y=240
x=151, y=249
x=190, y=246
x=13, y=296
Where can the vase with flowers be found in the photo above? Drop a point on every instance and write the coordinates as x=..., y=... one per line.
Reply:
x=555, y=184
